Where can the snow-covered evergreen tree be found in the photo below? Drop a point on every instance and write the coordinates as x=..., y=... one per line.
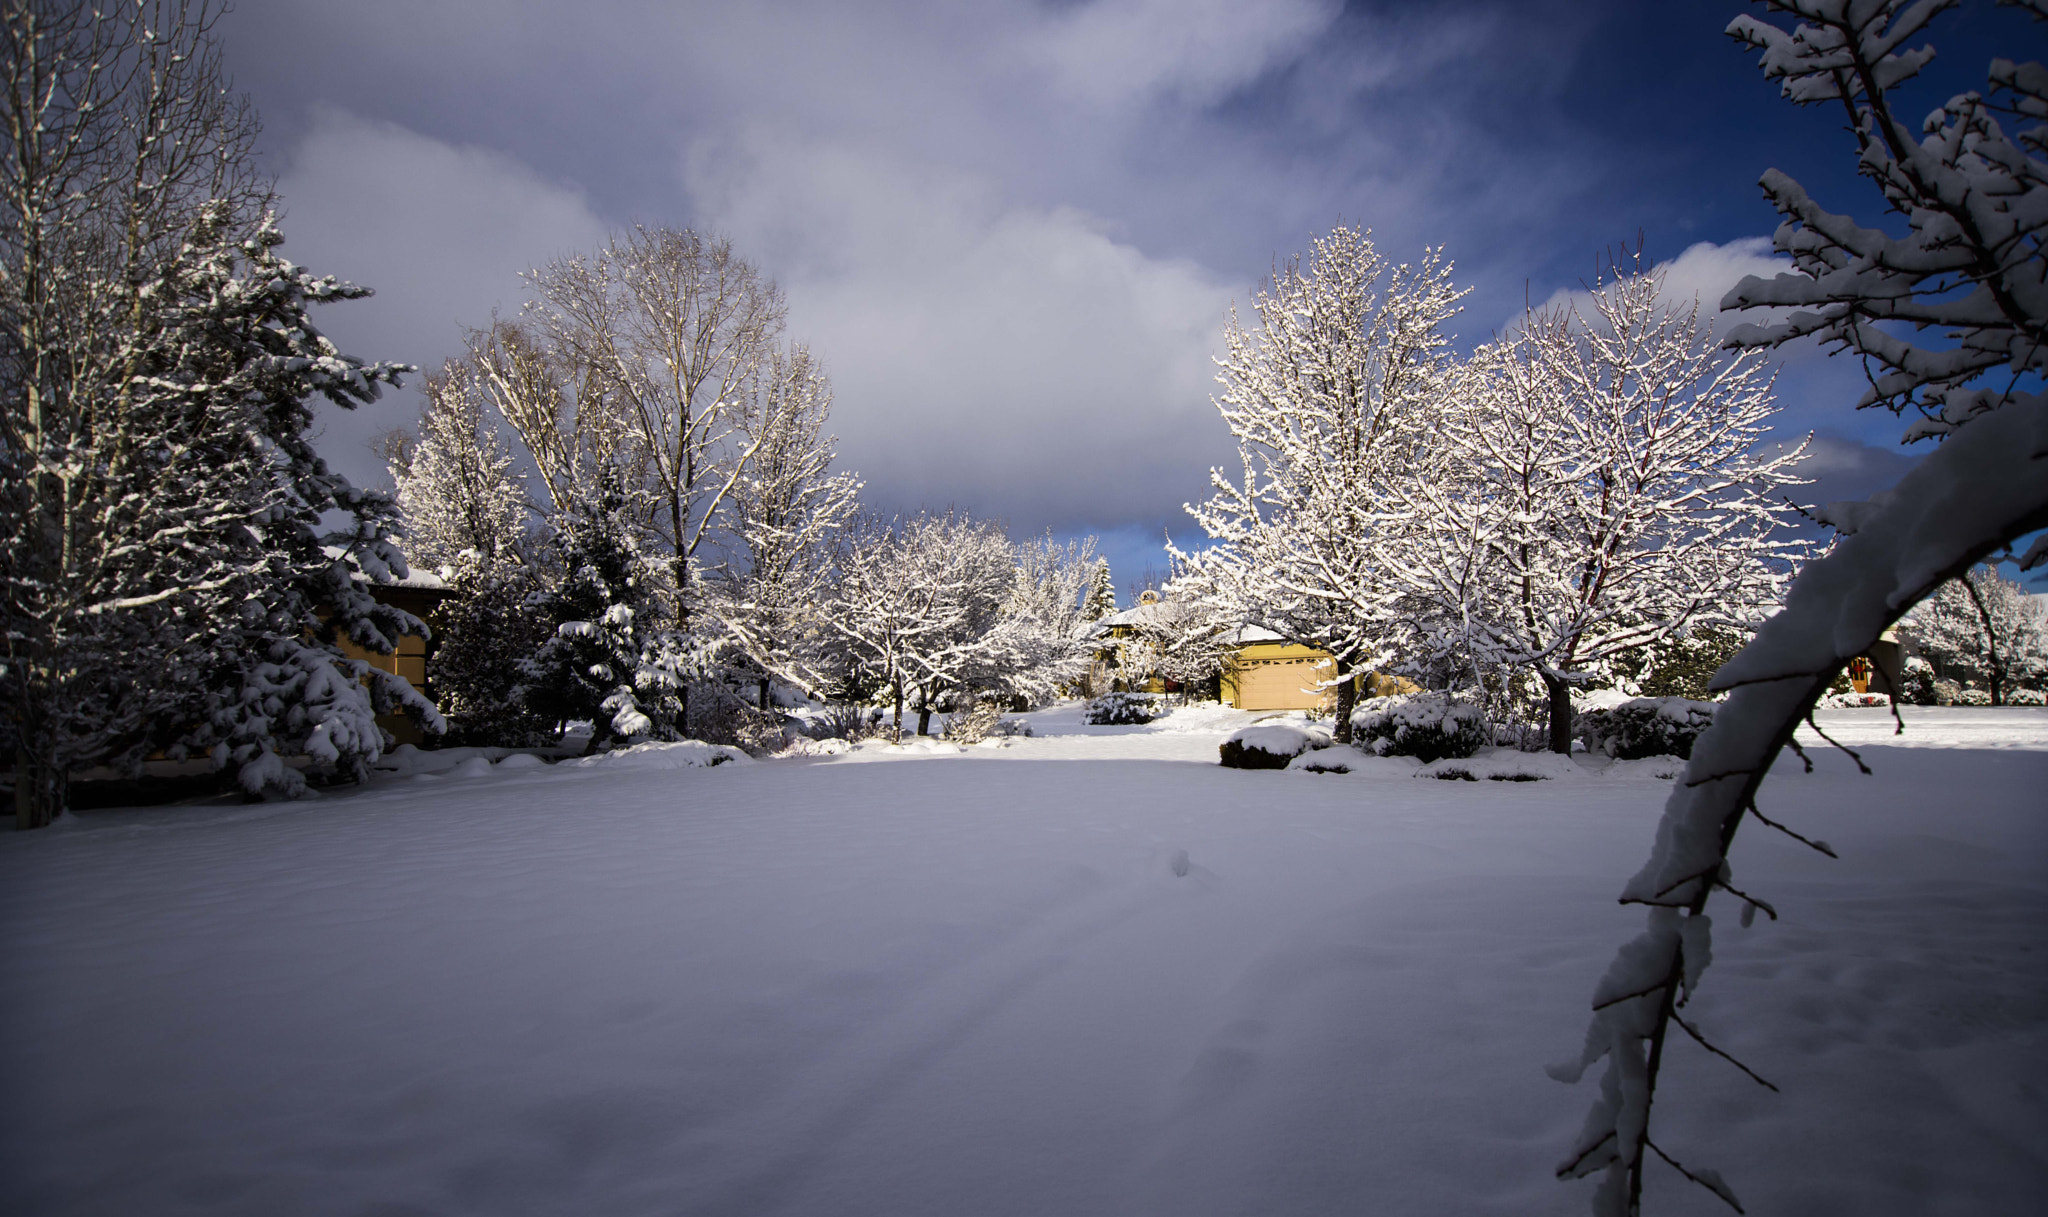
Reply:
x=168, y=581
x=1101, y=600
x=1331, y=399
x=609, y=658
x=1960, y=251
x=1599, y=490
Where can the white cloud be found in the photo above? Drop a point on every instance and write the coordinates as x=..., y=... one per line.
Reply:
x=1703, y=272
x=1117, y=50
x=440, y=232
x=1011, y=360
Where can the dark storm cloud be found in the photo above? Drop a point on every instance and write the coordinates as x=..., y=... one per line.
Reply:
x=1011, y=230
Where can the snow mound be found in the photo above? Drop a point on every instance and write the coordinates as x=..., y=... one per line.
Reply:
x=804, y=745
x=1503, y=765
x=1598, y=699
x=678, y=754
x=1659, y=767
x=1271, y=745
x=1847, y=701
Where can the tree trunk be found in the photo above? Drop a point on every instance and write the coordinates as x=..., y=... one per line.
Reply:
x=924, y=713
x=1347, y=698
x=897, y=689
x=1560, y=713
x=41, y=788
x=764, y=695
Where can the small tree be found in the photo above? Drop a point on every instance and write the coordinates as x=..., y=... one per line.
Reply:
x=1101, y=600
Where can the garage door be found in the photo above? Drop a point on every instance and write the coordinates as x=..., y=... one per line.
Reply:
x=1279, y=684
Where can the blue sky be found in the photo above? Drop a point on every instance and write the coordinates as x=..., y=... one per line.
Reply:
x=1012, y=229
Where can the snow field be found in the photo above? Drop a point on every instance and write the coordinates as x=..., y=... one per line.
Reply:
x=1086, y=972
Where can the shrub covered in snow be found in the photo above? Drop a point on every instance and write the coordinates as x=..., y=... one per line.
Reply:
x=1852, y=699
x=1916, y=680
x=1502, y=765
x=1427, y=726
x=1122, y=709
x=1647, y=726
x=2026, y=697
x=1972, y=697
x=1271, y=745
x=1946, y=691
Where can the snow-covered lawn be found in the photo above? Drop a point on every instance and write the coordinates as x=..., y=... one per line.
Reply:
x=1090, y=972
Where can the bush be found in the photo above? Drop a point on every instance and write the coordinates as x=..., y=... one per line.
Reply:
x=1946, y=692
x=1270, y=745
x=1647, y=726
x=1916, y=680
x=1122, y=710
x=1428, y=726
x=974, y=724
x=2026, y=697
x=1844, y=701
x=1972, y=697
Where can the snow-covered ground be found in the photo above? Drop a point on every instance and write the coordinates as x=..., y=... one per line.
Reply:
x=1089, y=972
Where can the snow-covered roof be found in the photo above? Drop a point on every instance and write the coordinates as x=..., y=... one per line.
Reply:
x=1138, y=615
x=415, y=576
x=1246, y=634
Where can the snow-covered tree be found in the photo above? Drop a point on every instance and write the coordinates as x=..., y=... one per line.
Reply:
x=1331, y=398
x=169, y=579
x=609, y=656
x=1961, y=252
x=1599, y=489
x=667, y=328
x=1981, y=626
x=1187, y=636
x=787, y=510
x=1047, y=611
x=467, y=516
x=917, y=606
x=456, y=483
x=1101, y=600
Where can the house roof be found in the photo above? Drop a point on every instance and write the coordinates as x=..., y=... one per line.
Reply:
x=414, y=577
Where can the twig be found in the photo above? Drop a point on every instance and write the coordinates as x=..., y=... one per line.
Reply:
x=1715, y=1185
x=1799, y=752
x=1732, y=890
x=1694, y=1032
x=1809, y=842
x=1853, y=755
x=1615, y=1001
